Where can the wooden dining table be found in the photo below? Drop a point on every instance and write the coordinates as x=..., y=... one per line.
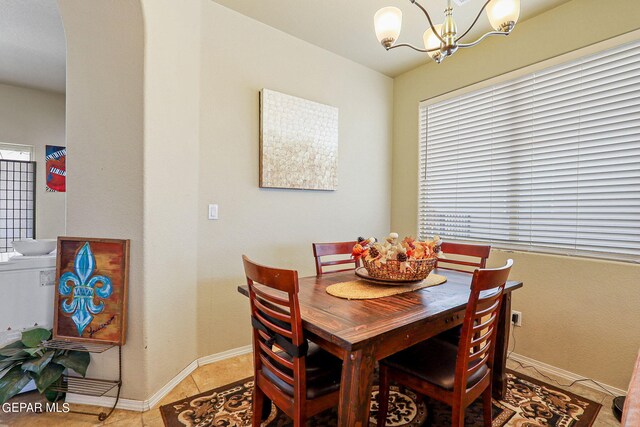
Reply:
x=361, y=332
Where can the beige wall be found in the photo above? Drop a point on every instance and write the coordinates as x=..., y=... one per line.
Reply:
x=105, y=57
x=36, y=118
x=239, y=57
x=171, y=144
x=579, y=314
x=162, y=119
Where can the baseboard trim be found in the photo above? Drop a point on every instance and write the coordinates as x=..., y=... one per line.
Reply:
x=145, y=405
x=212, y=358
x=563, y=374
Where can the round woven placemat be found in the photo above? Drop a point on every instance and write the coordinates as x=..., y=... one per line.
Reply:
x=361, y=289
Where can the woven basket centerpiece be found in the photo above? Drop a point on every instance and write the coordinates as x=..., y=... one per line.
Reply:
x=394, y=260
x=417, y=269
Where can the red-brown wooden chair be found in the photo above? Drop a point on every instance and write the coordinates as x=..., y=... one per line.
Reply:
x=474, y=251
x=454, y=375
x=299, y=378
x=338, y=248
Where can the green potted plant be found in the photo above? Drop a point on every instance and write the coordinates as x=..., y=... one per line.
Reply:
x=28, y=359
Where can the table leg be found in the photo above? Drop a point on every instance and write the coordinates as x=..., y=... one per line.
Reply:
x=355, y=388
x=502, y=349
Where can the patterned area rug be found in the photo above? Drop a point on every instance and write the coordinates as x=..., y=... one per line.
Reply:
x=529, y=403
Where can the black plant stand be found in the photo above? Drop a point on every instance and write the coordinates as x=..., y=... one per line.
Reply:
x=88, y=386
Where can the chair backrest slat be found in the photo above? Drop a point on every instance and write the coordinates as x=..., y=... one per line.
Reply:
x=481, y=338
x=276, y=278
x=276, y=371
x=272, y=355
x=337, y=262
x=272, y=326
x=271, y=312
x=473, y=370
x=483, y=324
x=271, y=298
x=478, y=337
x=338, y=248
x=480, y=354
x=476, y=251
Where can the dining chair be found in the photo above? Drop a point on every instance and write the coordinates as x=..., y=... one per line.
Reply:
x=300, y=378
x=455, y=375
x=479, y=252
x=465, y=250
x=338, y=248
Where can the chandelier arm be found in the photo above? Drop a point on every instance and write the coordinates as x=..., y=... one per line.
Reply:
x=413, y=47
x=433, y=28
x=491, y=33
x=474, y=21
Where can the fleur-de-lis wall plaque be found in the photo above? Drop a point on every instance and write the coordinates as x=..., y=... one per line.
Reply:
x=91, y=290
x=85, y=293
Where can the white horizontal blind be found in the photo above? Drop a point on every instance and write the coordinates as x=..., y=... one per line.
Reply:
x=549, y=160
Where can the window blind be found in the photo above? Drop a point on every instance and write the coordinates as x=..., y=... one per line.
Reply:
x=548, y=161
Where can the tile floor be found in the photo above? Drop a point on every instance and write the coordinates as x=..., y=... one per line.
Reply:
x=216, y=375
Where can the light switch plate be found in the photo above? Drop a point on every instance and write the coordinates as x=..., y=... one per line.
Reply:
x=213, y=211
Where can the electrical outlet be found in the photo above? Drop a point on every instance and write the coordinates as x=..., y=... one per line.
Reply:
x=516, y=318
x=47, y=277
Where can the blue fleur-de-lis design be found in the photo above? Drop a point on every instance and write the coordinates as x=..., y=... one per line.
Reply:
x=82, y=305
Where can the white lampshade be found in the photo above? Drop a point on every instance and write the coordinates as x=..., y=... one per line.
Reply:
x=501, y=12
x=388, y=22
x=431, y=41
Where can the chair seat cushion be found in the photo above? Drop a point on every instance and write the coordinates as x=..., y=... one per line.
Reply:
x=433, y=361
x=323, y=372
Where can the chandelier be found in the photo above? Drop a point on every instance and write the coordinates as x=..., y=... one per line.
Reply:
x=442, y=40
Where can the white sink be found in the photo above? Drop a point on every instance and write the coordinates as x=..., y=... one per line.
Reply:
x=31, y=247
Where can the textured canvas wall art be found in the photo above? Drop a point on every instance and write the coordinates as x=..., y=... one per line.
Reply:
x=298, y=143
x=91, y=290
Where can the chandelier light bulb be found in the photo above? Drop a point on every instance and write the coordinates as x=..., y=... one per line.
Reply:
x=503, y=14
x=431, y=41
x=388, y=22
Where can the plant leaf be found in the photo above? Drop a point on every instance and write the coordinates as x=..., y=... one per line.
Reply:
x=12, y=382
x=76, y=360
x=53, y=395
x=35, y=351
x=36, y=366
x=6, y=368
x=6, y=364
x=48, y=376
x=19, y=356
x=12, y=352
x=15, y=344
x=34, y=337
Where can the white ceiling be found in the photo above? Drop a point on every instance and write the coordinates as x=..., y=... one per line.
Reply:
x=345, y=27
x=33, y=47
x=32, y=44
